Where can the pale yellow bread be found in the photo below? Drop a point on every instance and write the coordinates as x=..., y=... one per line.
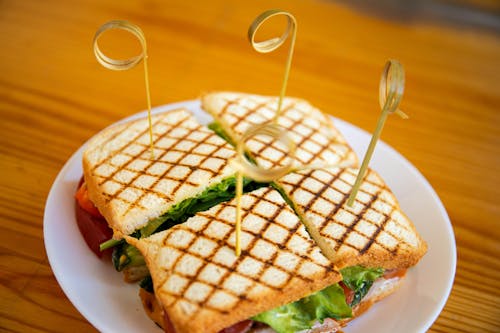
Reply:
x=204, y=287
x=129, y=187
x=374, y=232
x=316, y=138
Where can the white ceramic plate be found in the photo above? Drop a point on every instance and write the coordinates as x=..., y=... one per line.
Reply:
x=111, y=305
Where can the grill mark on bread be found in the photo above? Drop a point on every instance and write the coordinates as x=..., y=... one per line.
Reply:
x=199, y=229
x=340, y=240
x=180, y=161
x=373, y=239
x=137, y=156
x=144, y=172
x=139, y=173
x=256, y=237
x=269, y=144
x=243, y=117
x=310, y=174
x=318, y=194
x=279, y=245
x=341, y=204
x=176, y=261
x=125, y=127
x=305, y=138
x=191, y=168
x=230, y=270
x=298, y=185
x=342, y=154
x=111, y=138
x=359, y=217
x=338, y=206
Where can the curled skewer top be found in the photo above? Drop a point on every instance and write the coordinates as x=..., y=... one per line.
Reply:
x=119, y=64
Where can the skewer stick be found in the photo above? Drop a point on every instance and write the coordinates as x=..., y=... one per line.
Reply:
x=255, y=172
x=239, y=193
x=244, y=167
x=124, y=64
x=272, y=44
x=390, y=94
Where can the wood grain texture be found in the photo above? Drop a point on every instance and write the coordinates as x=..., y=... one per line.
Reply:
x=54, y=96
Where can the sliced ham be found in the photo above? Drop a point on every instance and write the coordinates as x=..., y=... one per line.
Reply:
x=241, y=327
x=329, y=326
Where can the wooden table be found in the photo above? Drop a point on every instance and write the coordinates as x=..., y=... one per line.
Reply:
x=54, y=96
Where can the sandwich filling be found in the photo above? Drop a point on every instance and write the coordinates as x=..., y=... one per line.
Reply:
x=219, y=130
x=336, y=302
x=323, y=311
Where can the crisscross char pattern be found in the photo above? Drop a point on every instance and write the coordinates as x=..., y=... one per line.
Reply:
x=374, y=222
x=188, y=157
x=317, y=139
x=200, y=272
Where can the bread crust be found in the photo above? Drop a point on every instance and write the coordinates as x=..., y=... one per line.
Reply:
x=151, y=307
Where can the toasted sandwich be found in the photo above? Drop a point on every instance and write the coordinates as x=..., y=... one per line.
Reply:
x=138, y=193
x=308, y=261
x=317, y=139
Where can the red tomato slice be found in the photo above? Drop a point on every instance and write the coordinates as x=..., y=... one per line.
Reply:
x=91, y=223
x=394, y=273
x=93, y=229
x=349, y=294
x=82, y=196
x=241, y=327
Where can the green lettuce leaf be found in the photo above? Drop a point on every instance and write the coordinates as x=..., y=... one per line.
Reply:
x=327, y=303
x=213, y=195
x=359, y=280
x=147, y=284
x=217, y=128
x=126, y=255
x=302, y=314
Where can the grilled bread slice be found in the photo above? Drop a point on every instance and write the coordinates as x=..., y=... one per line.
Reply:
x=317, y=139
x=204, y=287
x=129, y=187
x=374, y=232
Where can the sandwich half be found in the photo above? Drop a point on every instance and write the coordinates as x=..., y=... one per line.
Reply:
x=202, y=286
x=281, y=282
x=374, y=231
x=317, y=139
x=131, y=188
